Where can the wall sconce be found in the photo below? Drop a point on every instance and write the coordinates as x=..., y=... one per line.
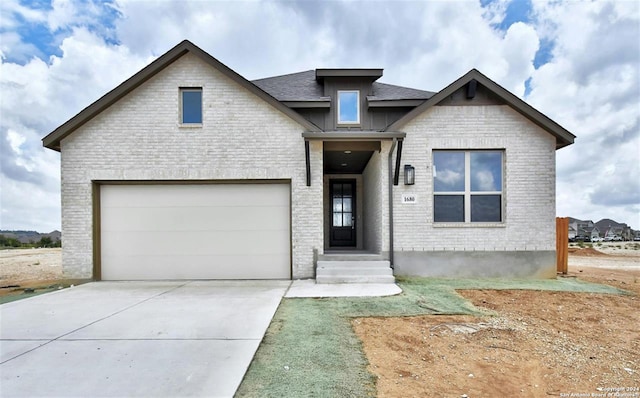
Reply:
x=409, y=174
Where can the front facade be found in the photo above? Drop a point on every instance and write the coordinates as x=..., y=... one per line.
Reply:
x=189, y=171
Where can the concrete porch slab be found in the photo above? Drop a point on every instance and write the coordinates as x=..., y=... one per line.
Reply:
x=309, y=288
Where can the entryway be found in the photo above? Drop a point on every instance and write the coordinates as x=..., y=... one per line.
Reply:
x=343, y=213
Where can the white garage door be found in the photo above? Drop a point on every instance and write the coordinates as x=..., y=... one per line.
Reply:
x=208, y=231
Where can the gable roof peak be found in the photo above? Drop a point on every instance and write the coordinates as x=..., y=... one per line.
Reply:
x=563, y=136
x=53, y=139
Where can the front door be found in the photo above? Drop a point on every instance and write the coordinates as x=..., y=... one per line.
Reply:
x=343, y=213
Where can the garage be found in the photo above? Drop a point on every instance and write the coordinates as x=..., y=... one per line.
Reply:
x=195, y=231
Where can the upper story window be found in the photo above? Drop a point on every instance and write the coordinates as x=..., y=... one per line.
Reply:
x=349, y=107
x=467, y=186
x=191, y=105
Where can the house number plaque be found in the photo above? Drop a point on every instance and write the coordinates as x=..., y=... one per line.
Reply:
x=410, y=199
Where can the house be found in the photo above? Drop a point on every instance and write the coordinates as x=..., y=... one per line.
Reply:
x=613, y=229
x=189, y=171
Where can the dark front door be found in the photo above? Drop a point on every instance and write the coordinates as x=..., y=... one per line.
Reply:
x=343, y=213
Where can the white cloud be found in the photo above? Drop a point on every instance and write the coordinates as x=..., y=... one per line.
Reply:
x=485, y=181
x=44, y=95
x=11, y=10
x=592, y=87
x=448, y=177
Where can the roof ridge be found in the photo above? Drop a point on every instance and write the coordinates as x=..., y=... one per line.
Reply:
x=405, y=87
x=286, y=74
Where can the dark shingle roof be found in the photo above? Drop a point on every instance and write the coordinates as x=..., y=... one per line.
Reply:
x=302, y=86
x=389, y=92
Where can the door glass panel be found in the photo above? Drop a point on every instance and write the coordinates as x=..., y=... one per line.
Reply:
x=337, y=190
x=337, y=219
x=346, y=190
x=346, y=204
x=346, y=219
x=337, y=204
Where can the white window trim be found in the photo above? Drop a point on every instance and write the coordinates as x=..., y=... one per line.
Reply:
x=352, y=123
x=181, y=110
x=467, y=193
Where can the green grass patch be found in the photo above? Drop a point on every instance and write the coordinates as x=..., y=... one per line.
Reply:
x=310, y=349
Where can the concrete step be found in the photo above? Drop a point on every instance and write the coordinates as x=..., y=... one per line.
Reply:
x=355, y=279
x=350, y=257
x=354, y=271
x=353, y=263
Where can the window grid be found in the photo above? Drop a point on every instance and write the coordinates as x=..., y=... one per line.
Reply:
x=468, y=194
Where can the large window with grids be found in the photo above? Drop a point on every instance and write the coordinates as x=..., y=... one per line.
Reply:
x=468, y=186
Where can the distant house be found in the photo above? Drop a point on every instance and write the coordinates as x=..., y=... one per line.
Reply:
x=582, y=228
x=605, y=228
x=187, y=170
x=591, y=232
x=612, y=228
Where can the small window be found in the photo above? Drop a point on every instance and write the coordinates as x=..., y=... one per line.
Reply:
x=349, y=107
x=191, y=103
x=467, y=186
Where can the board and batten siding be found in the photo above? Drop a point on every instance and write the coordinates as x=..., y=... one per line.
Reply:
x=139, y=138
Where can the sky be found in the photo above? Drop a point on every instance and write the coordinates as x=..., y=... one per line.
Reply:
x=577, y=62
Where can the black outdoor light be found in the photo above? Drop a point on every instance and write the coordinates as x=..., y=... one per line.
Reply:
x=409, y=174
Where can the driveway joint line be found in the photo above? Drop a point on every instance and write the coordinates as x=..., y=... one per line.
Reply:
x=48, y=341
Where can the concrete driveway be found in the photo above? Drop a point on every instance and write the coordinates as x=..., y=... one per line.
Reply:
x=127, y=339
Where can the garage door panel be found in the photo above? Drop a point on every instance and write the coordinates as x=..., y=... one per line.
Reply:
x=208, y=242
x=195, y=267
x=209, y=231
x=192, y=195
x=205, y=218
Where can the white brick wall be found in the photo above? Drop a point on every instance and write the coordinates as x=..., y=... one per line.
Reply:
x=529, y=181
x=139, y=138
x=372, y=209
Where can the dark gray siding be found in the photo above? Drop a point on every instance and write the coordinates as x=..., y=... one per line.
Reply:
x=482, y=97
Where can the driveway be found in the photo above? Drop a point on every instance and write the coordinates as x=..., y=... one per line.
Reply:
x=117, y=339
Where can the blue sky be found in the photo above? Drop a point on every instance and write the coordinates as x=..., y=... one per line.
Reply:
x=578, y=62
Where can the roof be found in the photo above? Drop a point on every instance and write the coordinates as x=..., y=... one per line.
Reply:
x=389, y=92
x=303, y=86
x=52, y=140
x=372, y=74
x=563, y=136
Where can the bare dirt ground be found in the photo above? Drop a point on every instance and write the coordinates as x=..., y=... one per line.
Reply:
x=540, y=344
x=31, y=270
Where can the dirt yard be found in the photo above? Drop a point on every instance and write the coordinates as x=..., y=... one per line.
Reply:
x=540, y=344
x=31, y=270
